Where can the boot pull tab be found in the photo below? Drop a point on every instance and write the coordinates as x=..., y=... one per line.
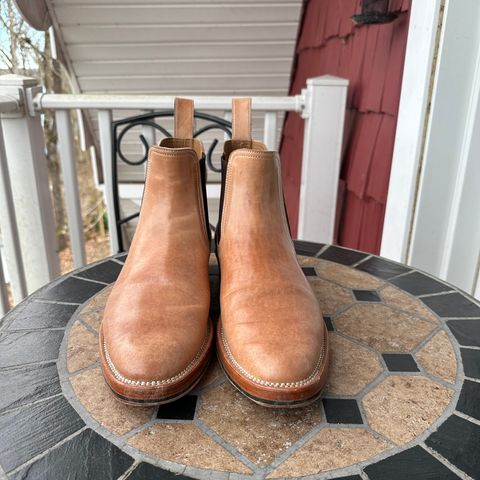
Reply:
x=242, y=119
x=183, y=118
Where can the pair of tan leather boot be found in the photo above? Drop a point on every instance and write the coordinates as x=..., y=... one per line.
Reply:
x=156, y=337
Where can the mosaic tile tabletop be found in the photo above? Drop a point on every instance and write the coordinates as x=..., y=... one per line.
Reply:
x=402, y=400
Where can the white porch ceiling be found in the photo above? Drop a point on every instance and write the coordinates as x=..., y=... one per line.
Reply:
x=178, y=48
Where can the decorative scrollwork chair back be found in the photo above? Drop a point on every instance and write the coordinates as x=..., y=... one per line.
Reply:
x=121, y=127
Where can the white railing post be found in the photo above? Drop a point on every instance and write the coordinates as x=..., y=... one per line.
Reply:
x=324, y=114
x=270, y=130
x=106, y=147
x=150, y=136
x=70, y=181
x=27, y=165
x=8, y=219
x=4, y=303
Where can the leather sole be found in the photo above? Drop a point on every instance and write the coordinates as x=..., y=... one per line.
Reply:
x=272, y=397
x=145, y=396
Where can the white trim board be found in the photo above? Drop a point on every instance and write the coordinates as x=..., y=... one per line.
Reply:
x=415, y=96
x=432, y=220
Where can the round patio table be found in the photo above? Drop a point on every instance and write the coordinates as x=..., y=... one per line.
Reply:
x=402, y=400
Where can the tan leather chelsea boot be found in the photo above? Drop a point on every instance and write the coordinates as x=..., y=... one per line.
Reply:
x=271, y=337
x=156, y=335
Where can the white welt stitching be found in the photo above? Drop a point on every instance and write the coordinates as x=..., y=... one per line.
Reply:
x=156, y=383
x=266, y=382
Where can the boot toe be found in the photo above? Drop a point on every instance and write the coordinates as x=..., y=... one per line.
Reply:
x=276, y=372
x=156, y=364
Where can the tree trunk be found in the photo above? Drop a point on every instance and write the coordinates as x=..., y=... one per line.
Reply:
x=53, y=83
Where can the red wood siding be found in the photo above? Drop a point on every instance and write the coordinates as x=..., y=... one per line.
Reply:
x=371, y=57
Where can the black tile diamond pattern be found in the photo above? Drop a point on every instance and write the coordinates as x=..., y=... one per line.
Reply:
x=85, y=456
x=328, y=323
x=413, y=464
x=103, y=272
x=457, y=440
x=367, y=296
x=342, y=410
x=309, y=271
x=181, y=409
x=400, y=362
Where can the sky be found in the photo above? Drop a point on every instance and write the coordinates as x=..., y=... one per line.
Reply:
x=34, y=35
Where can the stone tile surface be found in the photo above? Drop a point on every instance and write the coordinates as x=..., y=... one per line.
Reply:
x=467, y=332
x=33, y=315
x=82, y=348
x=438, y=357
x=457, y=440
x=400, y=362
x=401, y=300
x=346, y=276
x=103, y=272
x=469, y=401
x=95, y=396
x=92, y=312
x=342, y=255
x=402, y=407
x=342, y=410
x=85, y=456
x=471, y=362
x=17, y=348
x=329, y=449
x=186, y=444
x=30, y=430
x=382, y=268
x=412, y=464
x=417, y=283
x=181, y=409
x=352, y=367
x=212, y=375
x=71, y=290
x=366, y=295
x=382, y=328
x=399, y=408
x=147, y=471
x=308, y=261
x=452, y=305
x=307, y=248
x=260, y=433
x=331, y=297
x=22, y=385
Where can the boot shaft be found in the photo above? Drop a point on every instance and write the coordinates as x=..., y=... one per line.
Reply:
x=174, y=197
x=251, y=203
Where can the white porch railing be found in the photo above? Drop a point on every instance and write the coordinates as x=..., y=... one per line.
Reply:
x=26, y=215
